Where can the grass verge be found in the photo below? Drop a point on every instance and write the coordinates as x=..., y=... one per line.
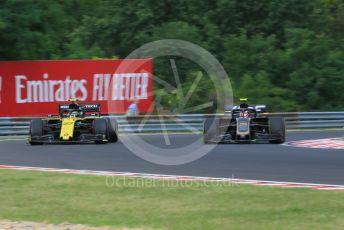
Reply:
x=127, y=202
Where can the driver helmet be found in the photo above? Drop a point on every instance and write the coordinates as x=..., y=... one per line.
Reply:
x=74, y=114
x=245, y=114
x=73, y=100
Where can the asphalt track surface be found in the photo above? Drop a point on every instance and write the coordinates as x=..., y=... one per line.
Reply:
x=244, y=161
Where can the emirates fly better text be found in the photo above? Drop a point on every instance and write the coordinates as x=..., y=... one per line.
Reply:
x=105, y=86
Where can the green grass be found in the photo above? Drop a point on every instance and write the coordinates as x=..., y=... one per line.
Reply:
x=57, y=198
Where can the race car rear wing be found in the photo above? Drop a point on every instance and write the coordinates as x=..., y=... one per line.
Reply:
x=87, y=108
x=261, y=108
x=258, y=108
x=91, y=107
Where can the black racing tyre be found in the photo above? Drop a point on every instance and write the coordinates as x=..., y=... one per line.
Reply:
x=210, y=127
x=112, y=128
x=277, y=128
x=100, y=127
x=36, y=129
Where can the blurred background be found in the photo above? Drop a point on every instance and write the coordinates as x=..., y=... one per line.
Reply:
x=287, y=54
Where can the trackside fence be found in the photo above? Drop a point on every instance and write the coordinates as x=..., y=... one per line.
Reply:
x=187, y=122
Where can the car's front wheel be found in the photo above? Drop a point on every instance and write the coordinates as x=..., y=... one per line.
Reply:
x=210, y=127
x=112, y=127
x=35, y=130
x=100, y=128
x=277, y=129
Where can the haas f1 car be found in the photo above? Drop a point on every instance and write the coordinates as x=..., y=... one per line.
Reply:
x=75, y=123
x=242, y=124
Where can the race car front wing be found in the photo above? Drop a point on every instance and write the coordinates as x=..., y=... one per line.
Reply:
x=83, y=138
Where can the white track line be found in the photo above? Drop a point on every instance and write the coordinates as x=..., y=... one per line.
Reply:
x=328, y=143
x=182, y=178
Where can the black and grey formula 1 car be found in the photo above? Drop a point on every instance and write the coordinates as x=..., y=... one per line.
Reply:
x=75, y=123
x=242, y=124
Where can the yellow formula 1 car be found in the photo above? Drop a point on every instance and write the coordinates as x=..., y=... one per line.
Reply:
x=75, y=123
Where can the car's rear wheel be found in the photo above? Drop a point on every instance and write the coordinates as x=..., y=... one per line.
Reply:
x=100, y=128
x=210, y=127
x=112, y=128
x=277, y=128
x=35, y=130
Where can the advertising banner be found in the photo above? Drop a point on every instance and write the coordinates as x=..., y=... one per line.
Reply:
x=36, y=88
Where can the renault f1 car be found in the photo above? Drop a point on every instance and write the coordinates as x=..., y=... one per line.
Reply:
x=75, y=123
x=242, y=124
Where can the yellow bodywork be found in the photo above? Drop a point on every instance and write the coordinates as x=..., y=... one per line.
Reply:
x=67, y=129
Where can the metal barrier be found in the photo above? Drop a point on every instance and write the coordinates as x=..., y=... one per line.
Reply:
x=188, y=122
